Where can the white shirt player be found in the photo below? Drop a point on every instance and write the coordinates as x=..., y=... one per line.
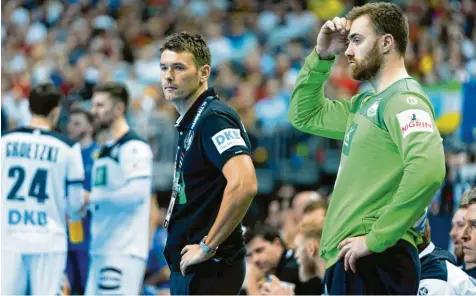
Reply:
x=445, y=278
x=120, y=198
x=42, y=180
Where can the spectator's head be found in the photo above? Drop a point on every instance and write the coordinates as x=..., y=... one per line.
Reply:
x=315, y=211
x=110, y=101
x=264, y=247
x=457, y=226
x=44, y=102
x=185, y=66
x=301, y=200
x=307, y=244
x=80, y=124
x=469, y=231
x=379, y=32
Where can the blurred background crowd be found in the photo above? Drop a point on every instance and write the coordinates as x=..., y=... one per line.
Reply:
x=258, y=48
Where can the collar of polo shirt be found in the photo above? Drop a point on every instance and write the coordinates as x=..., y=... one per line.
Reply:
x=185, y=121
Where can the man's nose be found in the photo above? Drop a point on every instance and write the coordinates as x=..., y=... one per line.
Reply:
x=349, y=52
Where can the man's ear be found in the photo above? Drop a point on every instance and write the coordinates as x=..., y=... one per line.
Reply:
x=121, y=107
x=387, y=43
x=312, y=247
x=204, y=72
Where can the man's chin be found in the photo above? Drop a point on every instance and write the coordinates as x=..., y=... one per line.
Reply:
x=469, y=258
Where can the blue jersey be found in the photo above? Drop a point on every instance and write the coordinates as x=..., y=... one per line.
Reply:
x=88, y=155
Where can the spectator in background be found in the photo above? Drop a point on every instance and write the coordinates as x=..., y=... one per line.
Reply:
x=293, y=216
x=456, y=233
x=439, y=274
x=267, y=254
x=311, y=266
x=316, y=212
x=469, y=234
x=80, y=129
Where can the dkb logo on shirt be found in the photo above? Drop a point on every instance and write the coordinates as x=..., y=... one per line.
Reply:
x=227, y=138
x=101, y=176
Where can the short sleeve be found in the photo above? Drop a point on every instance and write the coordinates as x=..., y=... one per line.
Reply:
x=223, y=137
x=75, y=168
x=136, y=160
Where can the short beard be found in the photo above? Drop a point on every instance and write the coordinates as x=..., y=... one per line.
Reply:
x=369, y=66
x=104, y=126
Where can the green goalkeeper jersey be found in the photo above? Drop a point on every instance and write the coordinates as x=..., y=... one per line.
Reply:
x=392, y=160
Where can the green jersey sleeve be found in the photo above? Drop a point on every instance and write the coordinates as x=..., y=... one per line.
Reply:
x=310, y=111
x=410, y=122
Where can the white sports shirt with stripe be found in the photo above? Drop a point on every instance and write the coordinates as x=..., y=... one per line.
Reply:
x=42, y=179
x=120, y=197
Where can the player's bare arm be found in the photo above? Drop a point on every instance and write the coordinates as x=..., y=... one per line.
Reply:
x=241, y=187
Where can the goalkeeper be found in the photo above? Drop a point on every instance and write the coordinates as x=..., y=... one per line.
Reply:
x=392, y=160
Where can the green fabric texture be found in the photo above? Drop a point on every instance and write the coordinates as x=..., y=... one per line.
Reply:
x=392, y=160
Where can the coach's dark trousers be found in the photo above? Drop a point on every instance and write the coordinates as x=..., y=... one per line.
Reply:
x=210, y=278
x=394, y=271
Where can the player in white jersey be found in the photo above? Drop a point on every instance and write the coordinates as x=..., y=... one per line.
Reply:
x=42, y=181
x=120, y=198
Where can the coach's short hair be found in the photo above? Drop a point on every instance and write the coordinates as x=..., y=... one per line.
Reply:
x=387, y=18
x=44, y=98
x=117, y=91
x=266, y=231
x=189, y=42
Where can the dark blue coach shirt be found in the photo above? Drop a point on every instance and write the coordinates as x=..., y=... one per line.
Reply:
x=219, y=136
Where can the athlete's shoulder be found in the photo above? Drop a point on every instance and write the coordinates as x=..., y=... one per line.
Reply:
x=220, y=107
x=132, y=145
x=130, y=136
x=40, y=132
x=407, y=91
x=461, y=280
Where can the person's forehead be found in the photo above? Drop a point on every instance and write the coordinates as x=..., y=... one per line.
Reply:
x=78, y=117
x=256, y=242
x=471, y=212
x=459, y=215
x=170, y=57
x=101, y=97
x=362, y=26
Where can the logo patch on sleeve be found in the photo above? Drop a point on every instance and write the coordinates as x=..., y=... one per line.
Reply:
x=227, y=138
x=415, y=120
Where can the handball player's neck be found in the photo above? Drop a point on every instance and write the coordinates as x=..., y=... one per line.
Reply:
x=86, y=141
x=182, y=106
x=392, y=70
x=118, y=129
x=41, y=122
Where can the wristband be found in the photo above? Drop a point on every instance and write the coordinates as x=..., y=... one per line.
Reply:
x=207, y=249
